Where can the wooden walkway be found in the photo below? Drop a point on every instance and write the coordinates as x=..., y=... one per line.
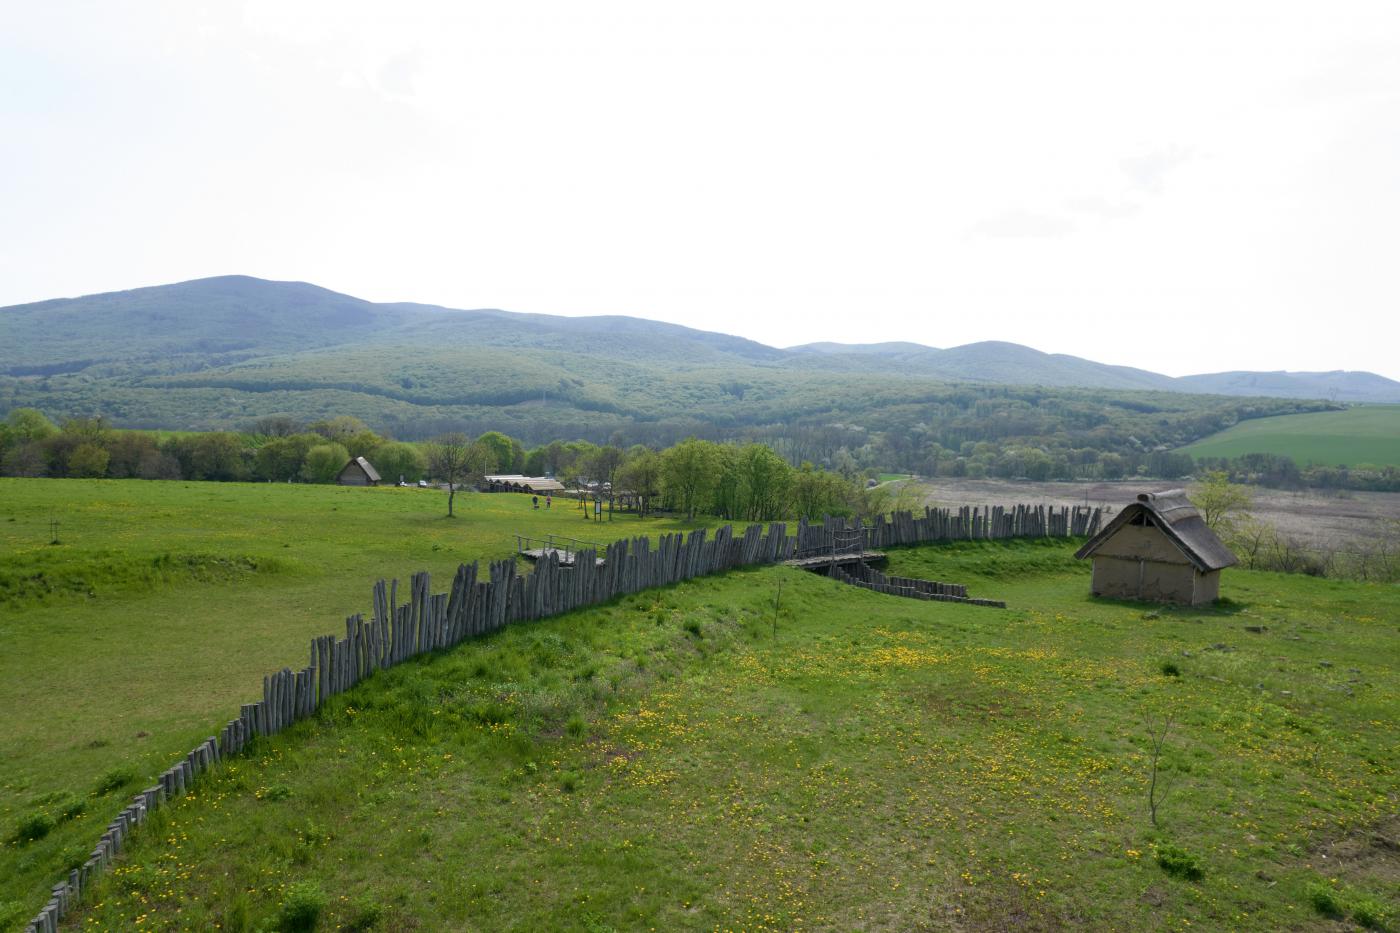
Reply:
x=565, y=548
x=566, y=558
x=846, y=559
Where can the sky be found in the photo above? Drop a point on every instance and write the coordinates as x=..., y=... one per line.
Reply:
x=1184, y=187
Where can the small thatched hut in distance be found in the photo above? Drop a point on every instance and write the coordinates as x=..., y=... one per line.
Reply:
x=358, y=472
x=1158, y=548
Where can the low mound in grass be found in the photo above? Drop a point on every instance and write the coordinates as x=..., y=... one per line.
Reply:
x=702, y=757
x=48, y=575
x=988, y=562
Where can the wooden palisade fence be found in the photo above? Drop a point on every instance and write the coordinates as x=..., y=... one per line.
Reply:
x=478, y=605
x=966, y=523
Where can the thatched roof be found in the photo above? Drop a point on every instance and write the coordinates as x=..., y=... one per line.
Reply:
x=1178, y=519
x=526, y=483
x=362, y=463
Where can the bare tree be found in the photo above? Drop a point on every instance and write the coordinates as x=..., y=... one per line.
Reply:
x=1251, y=540
x=1157, y=795
x=1223, y=504
x=605, y=463
x=277, y=426
x=453, y=458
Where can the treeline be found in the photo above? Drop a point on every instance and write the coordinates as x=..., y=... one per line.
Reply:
x=977, y=432
x=1025, y=432
x=747, y=482
x=278, y=450
x=1227, y=507
x=1277, y=471
x=843, y=423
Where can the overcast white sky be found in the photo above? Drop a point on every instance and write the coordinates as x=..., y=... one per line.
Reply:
x=1187, y=188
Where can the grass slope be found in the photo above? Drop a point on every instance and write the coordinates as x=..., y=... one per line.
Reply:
x=675, y=760
x=166, y=603
x=1364, y=435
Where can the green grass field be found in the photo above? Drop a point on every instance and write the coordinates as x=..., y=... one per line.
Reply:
x=689, y=758
x=1367, y=435
x=164, y=604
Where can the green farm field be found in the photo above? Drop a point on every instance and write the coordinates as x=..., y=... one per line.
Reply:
x=165, y=603
x=1367, y=434
x=695, y=758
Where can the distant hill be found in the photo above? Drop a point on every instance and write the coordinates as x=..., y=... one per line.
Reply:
x=1336, y=386
x=246, y=317
x=219, y=352
x=1014, y=364
x=884, y=349
x=227, y=316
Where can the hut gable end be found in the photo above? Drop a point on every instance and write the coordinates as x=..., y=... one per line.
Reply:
x=358, y=472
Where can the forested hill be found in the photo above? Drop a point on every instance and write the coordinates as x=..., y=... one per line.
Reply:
x=212, y=322
x=988, y=361
x=221, y=352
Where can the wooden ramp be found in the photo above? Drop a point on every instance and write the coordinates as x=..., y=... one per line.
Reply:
x=845, y=559
x=566, y=557
x=566, y=549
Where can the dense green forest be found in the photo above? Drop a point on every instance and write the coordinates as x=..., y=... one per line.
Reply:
x=222, y=355
x=947, y=430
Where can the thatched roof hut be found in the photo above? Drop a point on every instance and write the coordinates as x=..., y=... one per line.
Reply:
x=358, y=472
x=1158, y=548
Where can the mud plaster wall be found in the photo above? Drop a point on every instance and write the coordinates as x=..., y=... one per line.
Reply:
x=1124, y=578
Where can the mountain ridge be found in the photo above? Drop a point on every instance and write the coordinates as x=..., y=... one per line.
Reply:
x=224, y=349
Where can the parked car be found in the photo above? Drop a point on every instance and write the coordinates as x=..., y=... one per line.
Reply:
x=423, y=483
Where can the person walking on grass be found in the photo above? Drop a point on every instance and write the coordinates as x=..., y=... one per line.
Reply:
x=548, y=501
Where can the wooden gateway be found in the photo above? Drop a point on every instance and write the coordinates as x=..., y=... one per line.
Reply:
x=1160, y=549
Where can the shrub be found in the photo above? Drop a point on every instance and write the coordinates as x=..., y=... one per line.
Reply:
x=72, y=858
x=1323, y=898
x=275, y=792
x=1170, y=669
x=302, y=907
x=1179, y=863
x=693, y=627
x=1369, y=914
x=11, y=913
x=488, y=712
x=365, y=913
x=33, y=827
x=115, y=779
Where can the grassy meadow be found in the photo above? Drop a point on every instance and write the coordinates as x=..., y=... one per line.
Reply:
x=1367, y=434
x=695, y=758
x=164, y=604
